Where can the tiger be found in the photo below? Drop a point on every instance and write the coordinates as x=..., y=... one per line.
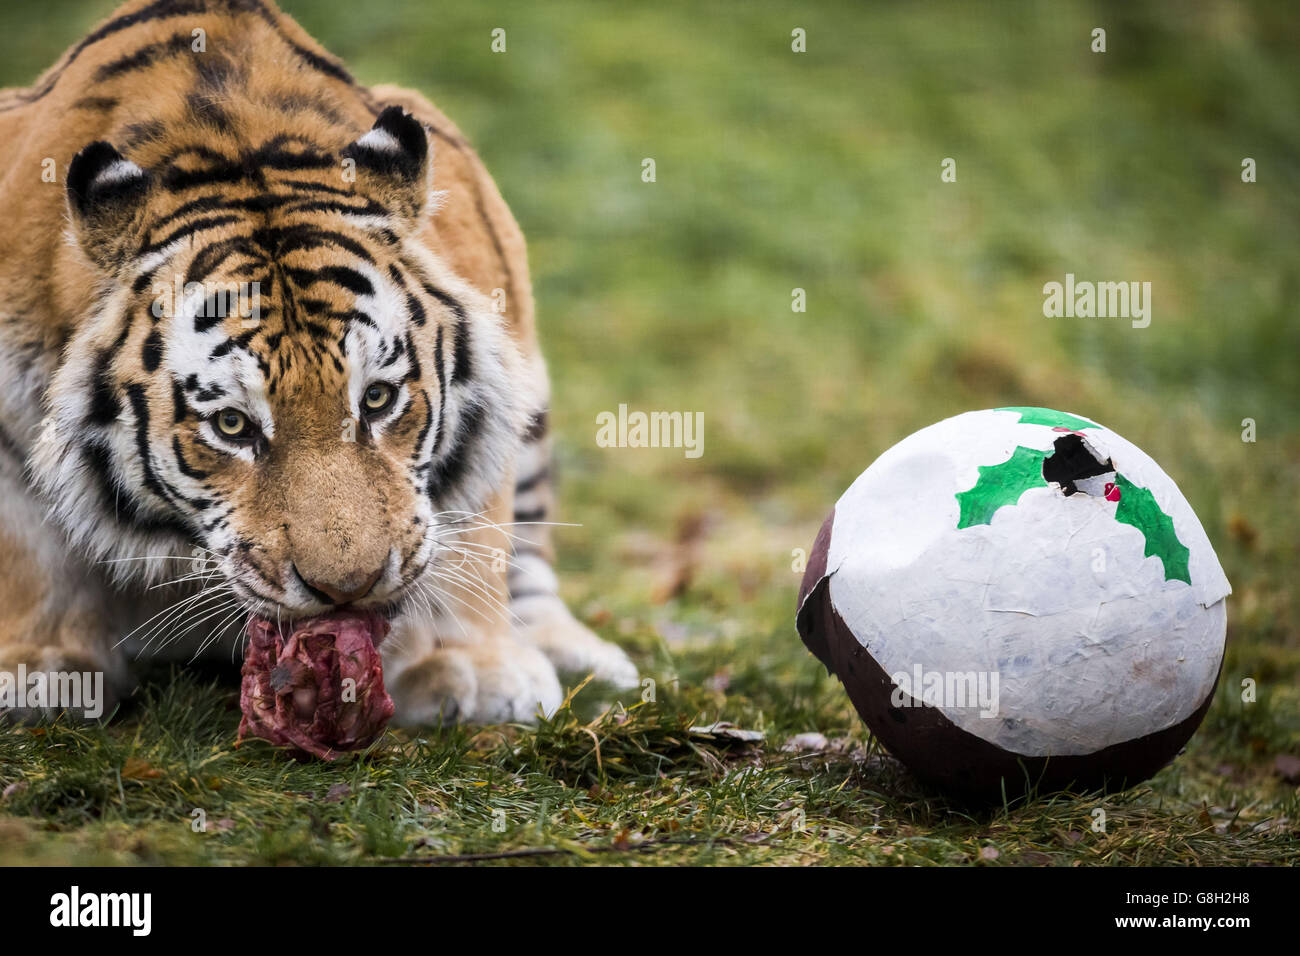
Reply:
x=268, y=353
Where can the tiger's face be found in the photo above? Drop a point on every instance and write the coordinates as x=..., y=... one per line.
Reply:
x=276, y=375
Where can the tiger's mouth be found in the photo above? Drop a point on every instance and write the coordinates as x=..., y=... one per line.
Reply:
x=372, y=623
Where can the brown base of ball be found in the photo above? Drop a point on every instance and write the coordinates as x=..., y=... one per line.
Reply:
x=955, y=761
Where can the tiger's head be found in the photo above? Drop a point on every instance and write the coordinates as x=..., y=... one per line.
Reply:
x=274, y=373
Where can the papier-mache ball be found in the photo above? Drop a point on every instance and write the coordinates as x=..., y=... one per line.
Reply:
x=1019, y=599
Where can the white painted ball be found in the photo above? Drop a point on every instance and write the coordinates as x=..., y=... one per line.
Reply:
x=1019, y=598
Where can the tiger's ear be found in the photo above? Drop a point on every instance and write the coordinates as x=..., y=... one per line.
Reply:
x=106, y=194
x=393, y=164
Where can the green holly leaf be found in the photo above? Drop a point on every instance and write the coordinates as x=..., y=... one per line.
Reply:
x=1137, y=507
x=1000, y=485
x=1029, y=415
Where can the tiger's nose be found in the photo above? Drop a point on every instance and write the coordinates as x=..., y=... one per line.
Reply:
x=337, y=592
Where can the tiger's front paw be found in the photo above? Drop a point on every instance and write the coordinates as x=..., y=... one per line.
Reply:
x=497, y=681
x=47, y=683
x=546, y=623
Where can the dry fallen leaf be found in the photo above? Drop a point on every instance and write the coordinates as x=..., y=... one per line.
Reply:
x=336, y=793
x=137, y=768
x=807, y=741
x=728, y=732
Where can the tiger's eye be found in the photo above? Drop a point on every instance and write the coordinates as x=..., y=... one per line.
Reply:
x=378, y=397
x=231, y=423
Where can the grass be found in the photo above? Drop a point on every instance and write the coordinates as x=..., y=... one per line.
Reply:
x=165, y=785
x=778, y=171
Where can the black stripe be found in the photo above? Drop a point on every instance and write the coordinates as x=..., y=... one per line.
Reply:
x=532, y=481
x=438, y=366
x=98, y=103
x=145, y=56
x=197, y=225
x=392, y=356
x=214, y=311
x=215, y=523
x=309, y=186
x=207, y=111
x=260, y=203
x=140, y=406
x=185, y=467
x=417, y=311
x=369, y=208
x=176, y=180
x=401, y=414
x=537, y=427
x=300, y=103
x=180, y=407
x=448, y=472
x=415, y=372
x=350, y=279
x=309, y=237
x=209, y=393
x=151, y=353
x=142, y=282
x=255, y=271
x=533, y=514
x=152, y=480
x=310, y=305
x=273, y=156
x=135, y=134
x=464, y=366
x=105, y=406
x=320, y=63
x=118, y=500
x=317, y=331
x=210, y=258
x=215, y=72
x=446, y=299
x=220, y=168
x=202, y=204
